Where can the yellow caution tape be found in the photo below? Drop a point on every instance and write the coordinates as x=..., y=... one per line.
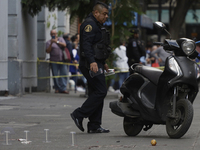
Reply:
x=79, y=75
x=55, y=62
x=72, y=64
x=48, y=61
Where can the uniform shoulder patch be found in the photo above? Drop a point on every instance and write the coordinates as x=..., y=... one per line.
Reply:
x=134, y=44
x=88, y=28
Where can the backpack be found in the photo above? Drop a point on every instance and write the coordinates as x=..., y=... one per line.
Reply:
x=66, y=55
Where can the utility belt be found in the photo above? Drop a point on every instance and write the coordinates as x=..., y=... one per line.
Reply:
x=86, y=63
x=101, y=51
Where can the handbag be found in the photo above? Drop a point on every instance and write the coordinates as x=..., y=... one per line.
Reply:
x=66, y=55
x=155, y=64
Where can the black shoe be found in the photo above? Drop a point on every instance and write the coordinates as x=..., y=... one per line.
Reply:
x=77, y=122
x=99, y=130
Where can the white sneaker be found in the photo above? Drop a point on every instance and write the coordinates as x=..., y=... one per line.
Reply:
x=80, y=89
x=119, y=94
x=117, y=91
x=110, y=89
x=71, y=84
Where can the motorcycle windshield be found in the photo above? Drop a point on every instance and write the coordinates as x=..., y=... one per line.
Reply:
x=172, y=43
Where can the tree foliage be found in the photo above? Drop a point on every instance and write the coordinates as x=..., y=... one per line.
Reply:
x=122, y=16
x=77, y=7
x=120, y=11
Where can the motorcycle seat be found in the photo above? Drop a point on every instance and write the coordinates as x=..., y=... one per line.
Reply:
x=151, y=73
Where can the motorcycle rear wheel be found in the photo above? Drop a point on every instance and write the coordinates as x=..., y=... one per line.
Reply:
x=131, y=128
x=177, y=127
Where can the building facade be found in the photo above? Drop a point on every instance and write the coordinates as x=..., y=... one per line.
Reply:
x=23, y=44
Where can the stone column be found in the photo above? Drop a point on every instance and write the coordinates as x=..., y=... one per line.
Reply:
x=43, y=68
x=4, y=47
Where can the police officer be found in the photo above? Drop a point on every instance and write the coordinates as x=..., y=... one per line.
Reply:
x=94, y=49
x=135, y=49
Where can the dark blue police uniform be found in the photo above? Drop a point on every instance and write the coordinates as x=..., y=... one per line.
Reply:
x=135, y=50
x=90, y=34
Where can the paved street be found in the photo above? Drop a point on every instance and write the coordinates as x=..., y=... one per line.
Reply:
x=38, y=111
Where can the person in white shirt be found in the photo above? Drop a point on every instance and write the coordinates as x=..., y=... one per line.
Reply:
x=121, y=65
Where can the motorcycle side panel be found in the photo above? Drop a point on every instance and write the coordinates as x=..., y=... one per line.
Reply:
x=142, y=91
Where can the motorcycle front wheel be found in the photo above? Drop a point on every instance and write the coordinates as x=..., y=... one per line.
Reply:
x=131, y=128
x=178, y=126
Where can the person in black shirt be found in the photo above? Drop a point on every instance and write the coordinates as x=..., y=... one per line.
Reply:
x=135, y=49
x=94, y=49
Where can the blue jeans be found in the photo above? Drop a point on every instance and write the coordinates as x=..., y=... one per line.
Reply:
x=122, y=76
x=60, y=83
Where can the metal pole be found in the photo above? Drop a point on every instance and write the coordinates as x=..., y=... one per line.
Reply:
x=159, y=18
x=139, y=25
x=170, y=11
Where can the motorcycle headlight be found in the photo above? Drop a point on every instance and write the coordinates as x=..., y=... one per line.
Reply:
x=188, y=47
x=173, y=65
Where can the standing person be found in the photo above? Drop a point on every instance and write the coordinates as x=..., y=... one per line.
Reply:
x=82, y=80
x=148, y=54
x=154, y=61
x=79, y=83
x=94, y=49
x=72, y=68
x=121, y=65
x=75, y=39
x=54, y=47
x=160, y=54
x=135, y=49
x=66, y=37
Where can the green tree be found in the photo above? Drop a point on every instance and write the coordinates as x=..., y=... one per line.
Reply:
x=121, y=11
x=177, y=13
x=121, y=17
x=177, y=18
x=80, y=7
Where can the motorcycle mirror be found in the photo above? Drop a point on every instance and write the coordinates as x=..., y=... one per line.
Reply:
x=159, y=25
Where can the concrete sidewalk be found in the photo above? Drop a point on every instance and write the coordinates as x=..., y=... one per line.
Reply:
x=38, y=111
